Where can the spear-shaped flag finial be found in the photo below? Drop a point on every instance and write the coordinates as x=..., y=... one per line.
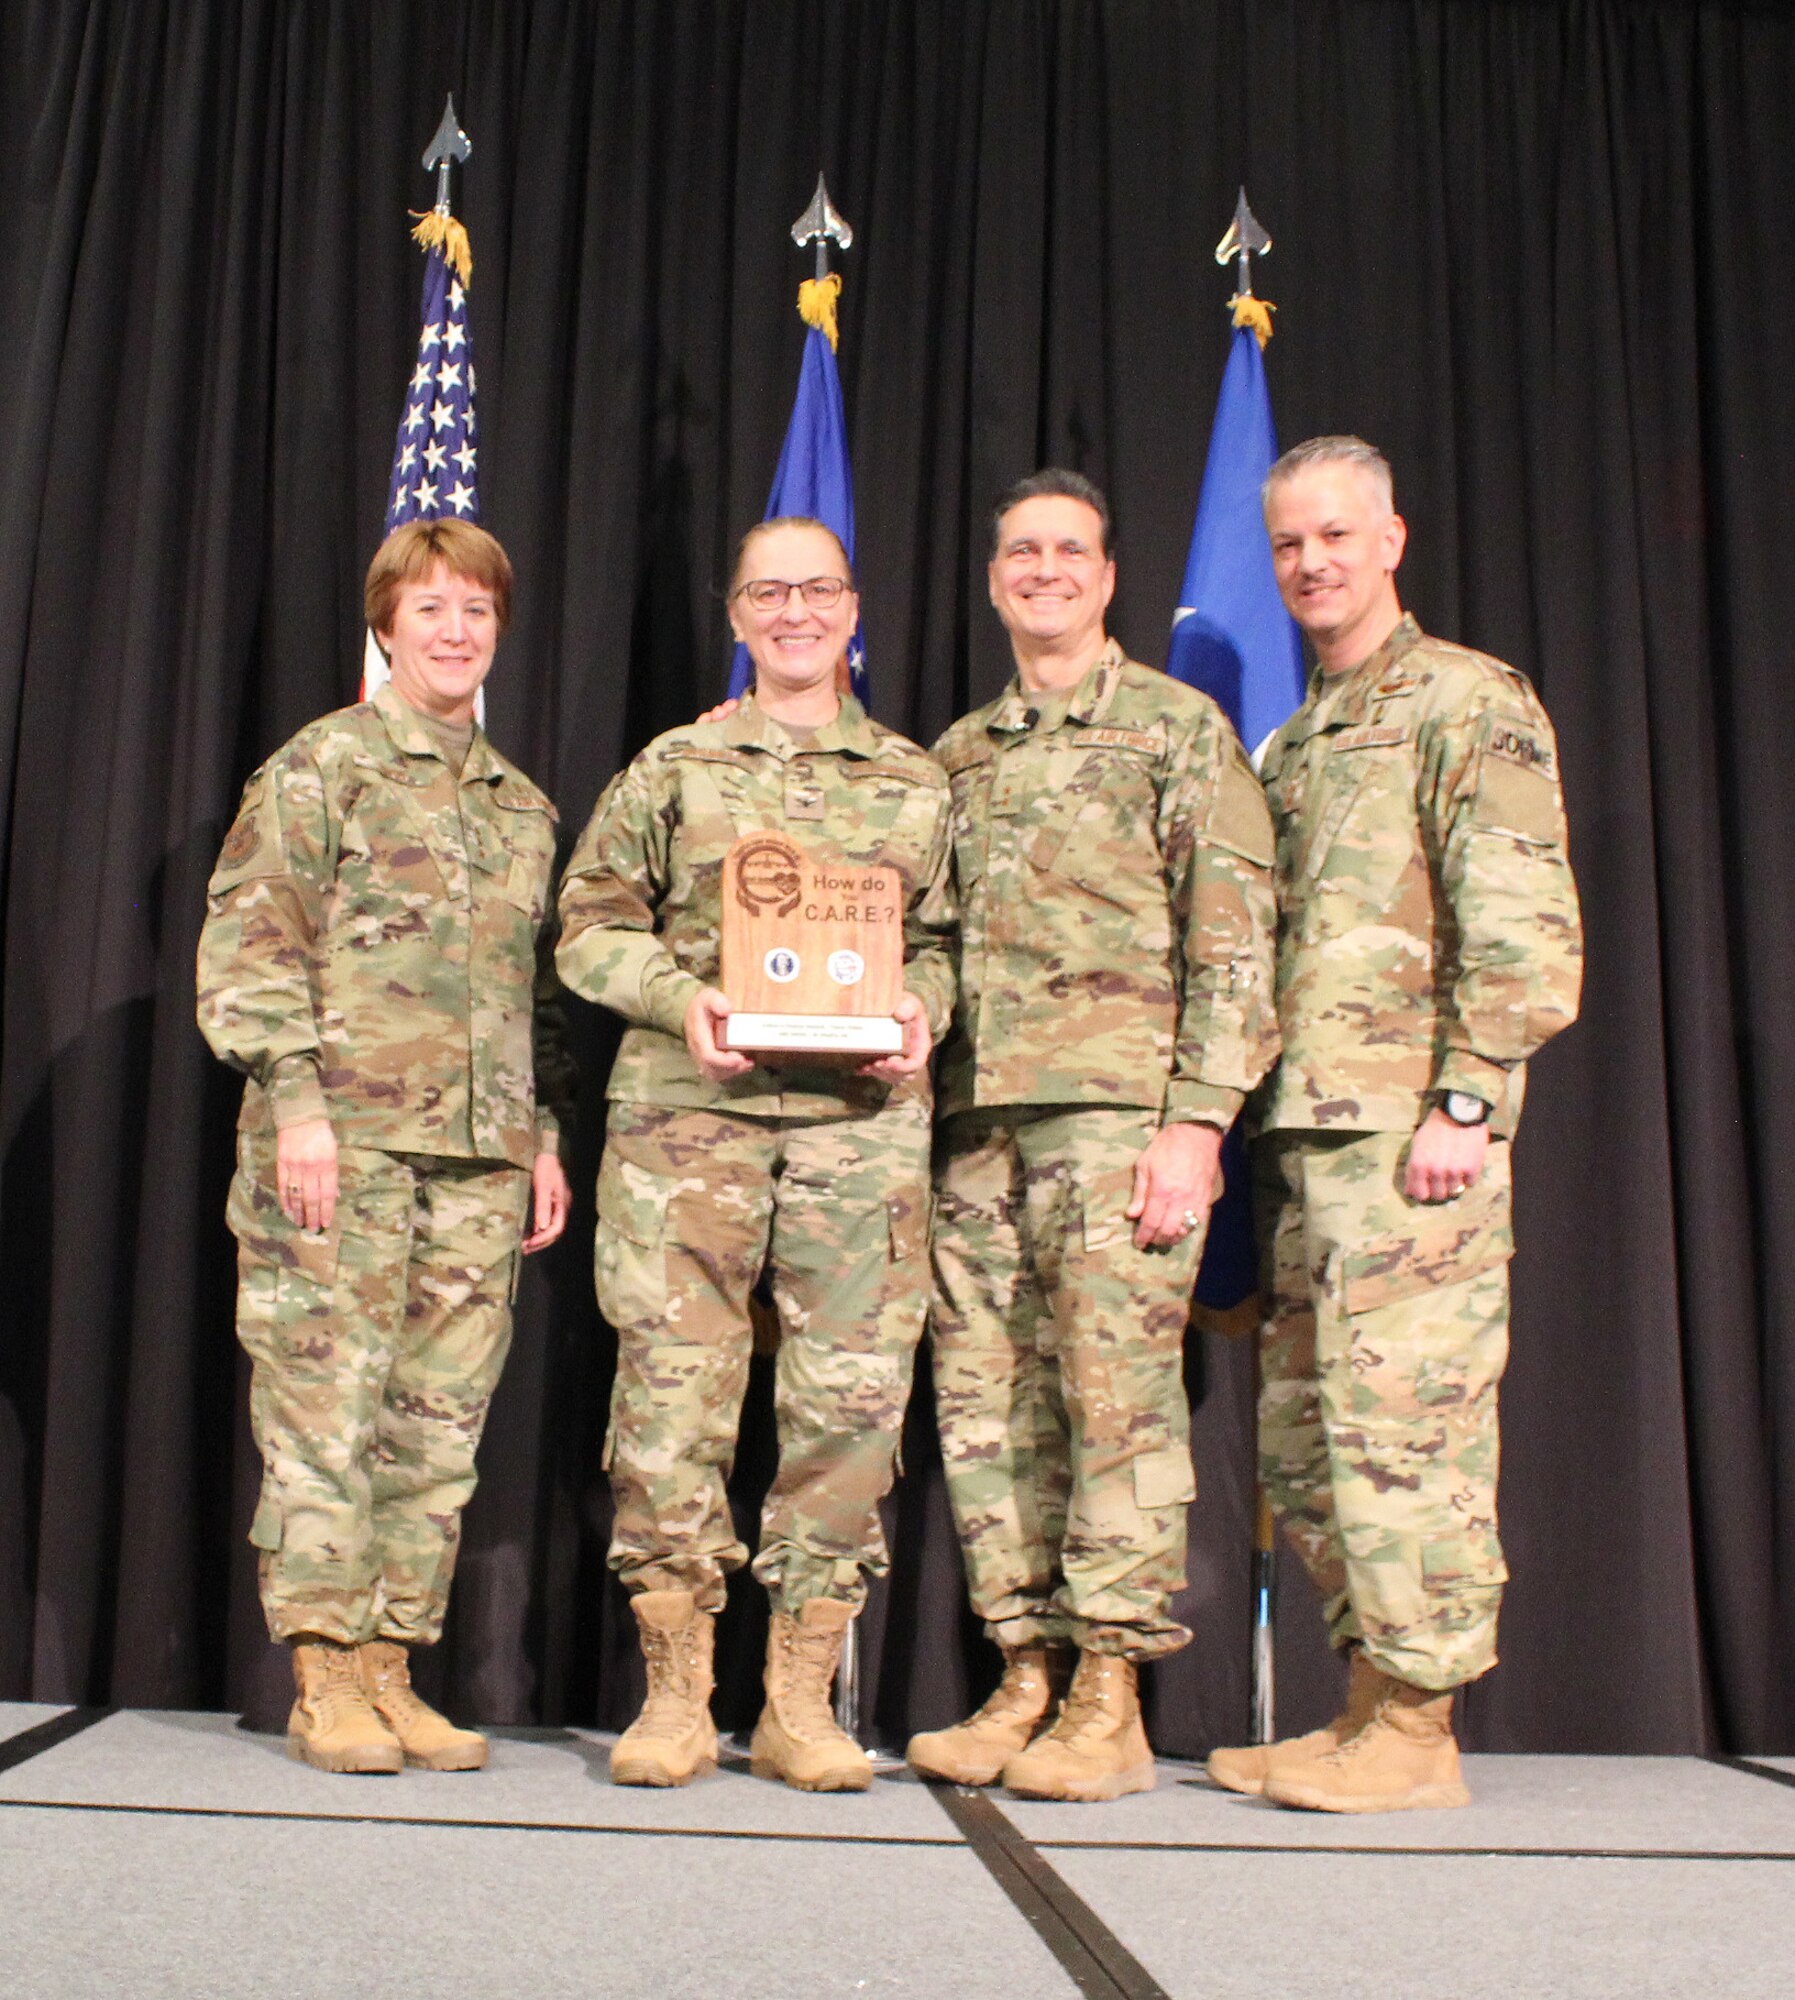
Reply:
x=437, y=229
x=820, y=222
x=817, y=295
x=451, y=144
x=1244, y=241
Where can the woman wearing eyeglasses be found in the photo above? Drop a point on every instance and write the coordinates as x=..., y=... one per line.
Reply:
x=717, y=1165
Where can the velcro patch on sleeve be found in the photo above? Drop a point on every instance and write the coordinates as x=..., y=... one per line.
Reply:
x=1517, y=741
x=1517, y=781
x=1239, y=818
x=252, y=848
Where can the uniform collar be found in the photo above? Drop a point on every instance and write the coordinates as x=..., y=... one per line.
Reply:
x=847, y=733
x=412, y=739
x=1016, y=709
x=1405, y=636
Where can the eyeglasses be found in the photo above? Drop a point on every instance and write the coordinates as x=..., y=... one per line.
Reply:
x=769, y=593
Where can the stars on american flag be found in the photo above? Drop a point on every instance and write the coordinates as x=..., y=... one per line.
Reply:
x=436, y=429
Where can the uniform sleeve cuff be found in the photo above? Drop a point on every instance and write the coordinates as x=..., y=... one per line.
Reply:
x=295, y=1092
x=548, y=1133
x=1190, y=1102
x=667, y=998
x=1476, y=1075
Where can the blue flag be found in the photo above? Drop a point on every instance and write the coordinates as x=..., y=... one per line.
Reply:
x=814, y=478
x=1232, y=637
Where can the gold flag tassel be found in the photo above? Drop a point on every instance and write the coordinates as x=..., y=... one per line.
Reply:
x=438, y=230
x=1250, y=310
x=816, y=305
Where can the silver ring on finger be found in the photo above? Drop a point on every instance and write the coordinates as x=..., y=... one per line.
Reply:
x=1191, y=1218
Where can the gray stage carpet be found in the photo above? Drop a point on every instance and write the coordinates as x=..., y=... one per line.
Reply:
x=156, y=1854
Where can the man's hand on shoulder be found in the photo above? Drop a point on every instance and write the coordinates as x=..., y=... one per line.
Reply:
x=723, y=710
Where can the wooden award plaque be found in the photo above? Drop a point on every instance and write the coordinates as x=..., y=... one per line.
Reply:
x=813, y=951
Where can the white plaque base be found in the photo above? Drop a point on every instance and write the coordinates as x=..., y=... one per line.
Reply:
x=814, y=1034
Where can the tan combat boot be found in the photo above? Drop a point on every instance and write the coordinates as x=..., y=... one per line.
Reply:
x=429, y=1740
x=1097, y=1749
x=797, y=1738
x=975, y=1751
x=332, y=1726
x=1246, y=1769
x=674, y=1737
x=1404, y=1757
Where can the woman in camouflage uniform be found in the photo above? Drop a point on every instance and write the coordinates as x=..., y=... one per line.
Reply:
x=716, y=1166
x=370, y=959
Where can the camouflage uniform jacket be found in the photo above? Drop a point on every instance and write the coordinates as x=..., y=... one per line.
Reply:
x=641, y=903
x=1428, y=936
x=1114, y=866
x=374, y=949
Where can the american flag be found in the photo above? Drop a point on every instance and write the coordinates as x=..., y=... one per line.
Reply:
x=434, y=456
x=435, y=459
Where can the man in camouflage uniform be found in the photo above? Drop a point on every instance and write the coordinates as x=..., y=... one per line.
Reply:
x=1428, y=943
x=1114, y=865
x=370, y=959
x=715, y=1166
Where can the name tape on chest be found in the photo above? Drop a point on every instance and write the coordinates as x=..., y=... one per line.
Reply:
x=1107, y=737
x=1371, y=736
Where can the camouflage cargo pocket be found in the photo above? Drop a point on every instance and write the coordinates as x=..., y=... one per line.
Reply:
x=1164, y=1478
x=1471, y=1561
x=629, y=1251
x=1448, y=1243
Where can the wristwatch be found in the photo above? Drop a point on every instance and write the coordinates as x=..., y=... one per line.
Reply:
x=1464, y=1109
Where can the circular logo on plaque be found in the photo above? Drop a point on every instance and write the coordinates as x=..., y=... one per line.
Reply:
x=767, y=876
x=846, y=968
x=782, y=965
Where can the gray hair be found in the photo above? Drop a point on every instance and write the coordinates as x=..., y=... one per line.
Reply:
x=1333, y=451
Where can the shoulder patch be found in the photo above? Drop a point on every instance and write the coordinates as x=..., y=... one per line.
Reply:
x=1517, y=781
x=1239, y=818
x=1517, y=739
x=252, y=847
x=240, y=843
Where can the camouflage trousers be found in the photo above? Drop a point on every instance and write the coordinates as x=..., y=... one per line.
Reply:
x=376, y=1347
x=692, y=1205
x=1387, y=1337
x=1059, y=1379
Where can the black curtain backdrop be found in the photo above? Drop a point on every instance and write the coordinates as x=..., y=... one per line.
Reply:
x=1543, y=254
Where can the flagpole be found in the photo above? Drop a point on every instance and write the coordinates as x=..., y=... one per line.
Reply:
x=1243, y=240
x=816, y=303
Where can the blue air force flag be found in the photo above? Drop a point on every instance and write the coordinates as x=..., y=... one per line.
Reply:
x=1232, y=637
x=814, y=478
x=435, y=461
